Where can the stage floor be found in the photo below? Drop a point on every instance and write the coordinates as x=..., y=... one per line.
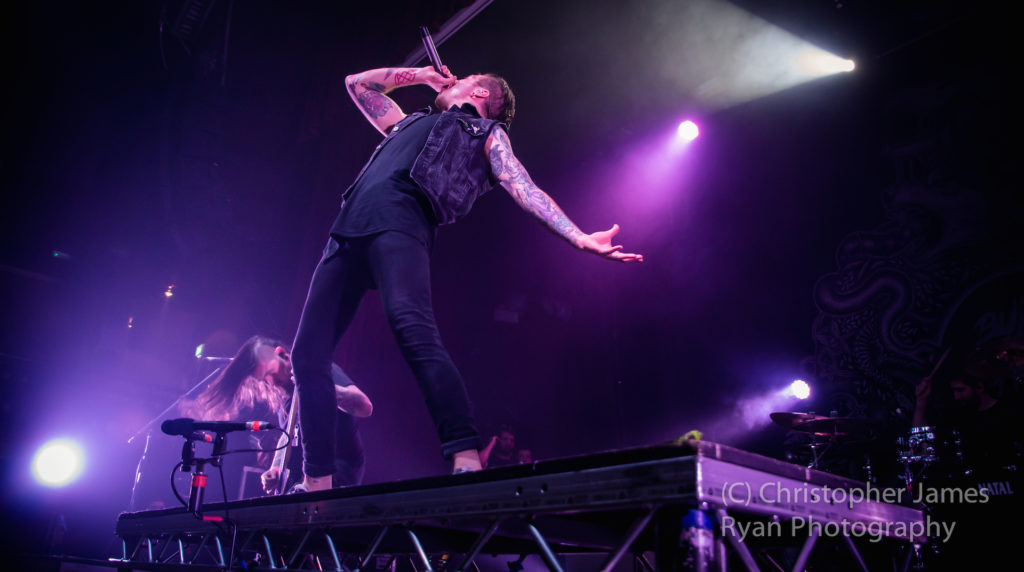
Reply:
x=620, y=503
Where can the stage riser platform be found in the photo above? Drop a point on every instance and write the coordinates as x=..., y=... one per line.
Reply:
x=613, y=505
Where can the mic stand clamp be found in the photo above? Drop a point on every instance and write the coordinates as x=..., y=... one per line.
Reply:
x=197, y=492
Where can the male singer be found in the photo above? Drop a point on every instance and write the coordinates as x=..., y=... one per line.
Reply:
x=429, y=169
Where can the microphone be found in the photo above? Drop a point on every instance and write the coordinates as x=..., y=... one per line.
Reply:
x=428, y=46
x=185, y=427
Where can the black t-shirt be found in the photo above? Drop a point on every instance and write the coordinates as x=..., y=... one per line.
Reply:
x=386, y=197
x=992, y=439
x=992, y=443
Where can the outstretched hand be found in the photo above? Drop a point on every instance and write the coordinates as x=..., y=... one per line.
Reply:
x=600, y=243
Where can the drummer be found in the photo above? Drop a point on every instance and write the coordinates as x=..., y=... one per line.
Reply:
x=990, y=435
x=984, y=414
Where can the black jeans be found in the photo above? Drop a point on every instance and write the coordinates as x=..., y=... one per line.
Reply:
x=398, y=265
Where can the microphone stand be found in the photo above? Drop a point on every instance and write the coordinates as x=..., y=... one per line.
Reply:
x=188, y=460
x=147, y=429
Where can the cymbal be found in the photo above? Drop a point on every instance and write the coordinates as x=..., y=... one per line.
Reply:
x=791, y=420
x=821, y=424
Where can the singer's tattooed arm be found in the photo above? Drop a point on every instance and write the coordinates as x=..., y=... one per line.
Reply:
x=513, y=177
x=373, y=101
x=405, y=76
x=369, y=90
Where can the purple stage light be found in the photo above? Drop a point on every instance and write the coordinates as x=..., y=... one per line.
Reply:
x=58, y=463
x=688, y=130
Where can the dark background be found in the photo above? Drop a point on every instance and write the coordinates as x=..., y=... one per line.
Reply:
x=144, y=161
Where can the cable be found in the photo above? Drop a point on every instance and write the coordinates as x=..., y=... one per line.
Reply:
x=291, y=437
x=174, y=489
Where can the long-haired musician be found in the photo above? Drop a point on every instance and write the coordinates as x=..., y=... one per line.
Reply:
x=257, y=385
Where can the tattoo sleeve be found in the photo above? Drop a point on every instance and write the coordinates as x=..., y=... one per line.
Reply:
x=375, y=103
x=513, y=176
x=369, y=91
x=370, y=96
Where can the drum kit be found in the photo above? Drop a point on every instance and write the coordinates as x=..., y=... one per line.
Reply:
x=939, y=466
x=923, y=452
x=926, y=452
x=930, y=452
x=827, y=434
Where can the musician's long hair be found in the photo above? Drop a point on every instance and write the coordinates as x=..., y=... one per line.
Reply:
x=235, y=389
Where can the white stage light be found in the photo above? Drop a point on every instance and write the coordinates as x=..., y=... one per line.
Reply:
x=58, y=463
x=817, y=62
x=688, y=130
x=800, y=389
